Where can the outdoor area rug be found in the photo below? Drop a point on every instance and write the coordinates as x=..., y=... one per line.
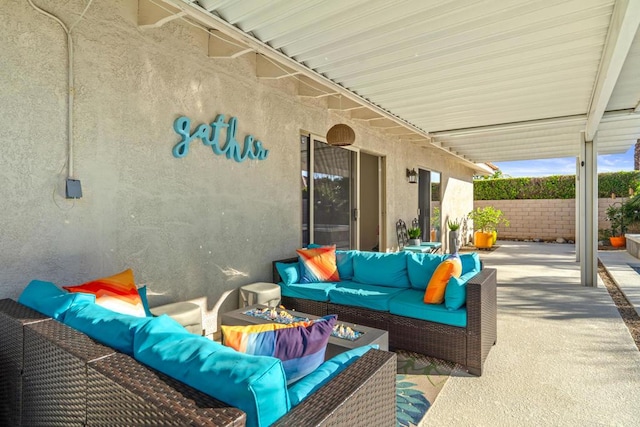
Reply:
x=419, y=379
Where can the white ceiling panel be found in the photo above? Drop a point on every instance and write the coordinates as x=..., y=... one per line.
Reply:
x=489, y=80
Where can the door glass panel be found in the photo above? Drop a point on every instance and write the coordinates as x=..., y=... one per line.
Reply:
x=304, y=183
x=332, y=176
x=435, y=234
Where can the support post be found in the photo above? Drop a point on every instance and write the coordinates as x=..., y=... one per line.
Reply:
x=578, y=209
x=588, y=212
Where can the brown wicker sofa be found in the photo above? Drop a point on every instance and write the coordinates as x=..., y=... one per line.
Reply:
x=468, y=346
x=51, y=374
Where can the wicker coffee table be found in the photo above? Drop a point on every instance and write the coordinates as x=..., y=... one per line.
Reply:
x=336, y=345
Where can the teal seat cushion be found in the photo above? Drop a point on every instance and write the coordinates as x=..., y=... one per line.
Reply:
x=110, y=328
x=409, y=304
x=289, y=272
x=382, y=269
x=367, y=296
x=421, y=267
x=302, y=389
x=49, y=299
x=470, y=262
x=455, y=294
x=254, y=384
x=318, y=291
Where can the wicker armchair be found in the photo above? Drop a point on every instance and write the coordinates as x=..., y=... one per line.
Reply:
x=51, y=374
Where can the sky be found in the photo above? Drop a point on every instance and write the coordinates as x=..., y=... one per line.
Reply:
x=564, y=166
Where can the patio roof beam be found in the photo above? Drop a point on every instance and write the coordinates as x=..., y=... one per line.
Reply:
x=624, y=25
x=222, y=46
x=152, y=16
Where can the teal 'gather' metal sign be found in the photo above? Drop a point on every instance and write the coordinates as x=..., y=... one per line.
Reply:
x=210, y=135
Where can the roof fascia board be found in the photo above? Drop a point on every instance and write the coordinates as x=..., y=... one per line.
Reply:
x=622, y=30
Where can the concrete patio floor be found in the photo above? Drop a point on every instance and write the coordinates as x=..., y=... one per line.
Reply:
x=564, y=356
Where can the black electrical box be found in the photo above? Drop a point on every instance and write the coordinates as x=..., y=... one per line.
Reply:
x=74, y=189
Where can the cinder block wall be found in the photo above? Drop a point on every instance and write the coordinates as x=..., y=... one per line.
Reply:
x=545, y=219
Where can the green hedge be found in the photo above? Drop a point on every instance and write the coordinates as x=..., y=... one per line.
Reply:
x=552, y=187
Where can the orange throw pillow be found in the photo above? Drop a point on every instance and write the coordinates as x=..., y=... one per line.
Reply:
x=450, y=267
x=117, y=293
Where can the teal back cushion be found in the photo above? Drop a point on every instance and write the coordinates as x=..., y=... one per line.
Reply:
x=344, y=260
x=113, y=329
x=421, y=267
x=384, y=269
x=254, y=384
x=470, y=262
x=455, y=295
x=142, y=291
x=289, y=272
x=48, y=299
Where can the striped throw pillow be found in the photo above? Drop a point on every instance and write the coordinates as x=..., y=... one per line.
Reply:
x=300, y=346
x=117, y=293
x=318, y=264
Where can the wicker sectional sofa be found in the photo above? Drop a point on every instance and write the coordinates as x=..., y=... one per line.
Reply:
x=51, y=374
x=466, y=343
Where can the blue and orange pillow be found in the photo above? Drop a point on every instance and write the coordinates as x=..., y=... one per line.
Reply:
x=318, y=264
x=450, y=267
x=300, y=346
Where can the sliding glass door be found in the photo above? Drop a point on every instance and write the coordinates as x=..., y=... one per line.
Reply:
x=328, y=194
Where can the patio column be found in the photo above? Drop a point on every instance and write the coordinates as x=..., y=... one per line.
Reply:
x=588, y=217
x=578, y=210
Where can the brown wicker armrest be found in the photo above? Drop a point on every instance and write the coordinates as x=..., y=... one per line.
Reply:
x=481, y=318
x=364, y=394
x=276, y=275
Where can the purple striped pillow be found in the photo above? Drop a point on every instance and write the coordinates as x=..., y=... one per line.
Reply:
x=300, y=346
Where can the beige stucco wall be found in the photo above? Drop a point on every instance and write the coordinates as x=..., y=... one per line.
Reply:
x=546, y=219
x=194, y=228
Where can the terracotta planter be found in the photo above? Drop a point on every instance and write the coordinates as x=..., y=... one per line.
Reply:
x=482, y=240
x=618, y=241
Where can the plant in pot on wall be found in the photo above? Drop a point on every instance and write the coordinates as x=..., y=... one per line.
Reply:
x=485, y=222
x=454, y=234
x=414, y=236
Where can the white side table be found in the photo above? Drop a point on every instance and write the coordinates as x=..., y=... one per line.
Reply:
x=259, y=293
x=187, y=314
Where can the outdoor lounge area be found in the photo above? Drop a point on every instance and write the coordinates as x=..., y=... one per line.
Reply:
x=173, y=167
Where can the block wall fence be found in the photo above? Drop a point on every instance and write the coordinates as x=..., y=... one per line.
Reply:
x=545, y=219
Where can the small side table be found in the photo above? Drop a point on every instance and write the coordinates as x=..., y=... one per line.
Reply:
x=187, y=314
x=259, y=293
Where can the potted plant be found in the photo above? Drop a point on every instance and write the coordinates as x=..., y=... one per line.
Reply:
x=616, y=216
x=414, y=236
x=485, y=222
x=435, y=224
x=454, y=242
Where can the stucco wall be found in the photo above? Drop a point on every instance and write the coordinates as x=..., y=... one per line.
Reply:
x=194, y=228
x=546, y=219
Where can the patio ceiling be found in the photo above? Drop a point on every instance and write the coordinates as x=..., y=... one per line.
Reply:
x=494, y=80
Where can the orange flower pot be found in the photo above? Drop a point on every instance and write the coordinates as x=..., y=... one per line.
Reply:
x=482, y=240
x=618, y=241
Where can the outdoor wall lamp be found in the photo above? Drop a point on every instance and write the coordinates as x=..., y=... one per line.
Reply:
x=412, y=176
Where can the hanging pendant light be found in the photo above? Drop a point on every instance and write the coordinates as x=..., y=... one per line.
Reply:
x=340, y=135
